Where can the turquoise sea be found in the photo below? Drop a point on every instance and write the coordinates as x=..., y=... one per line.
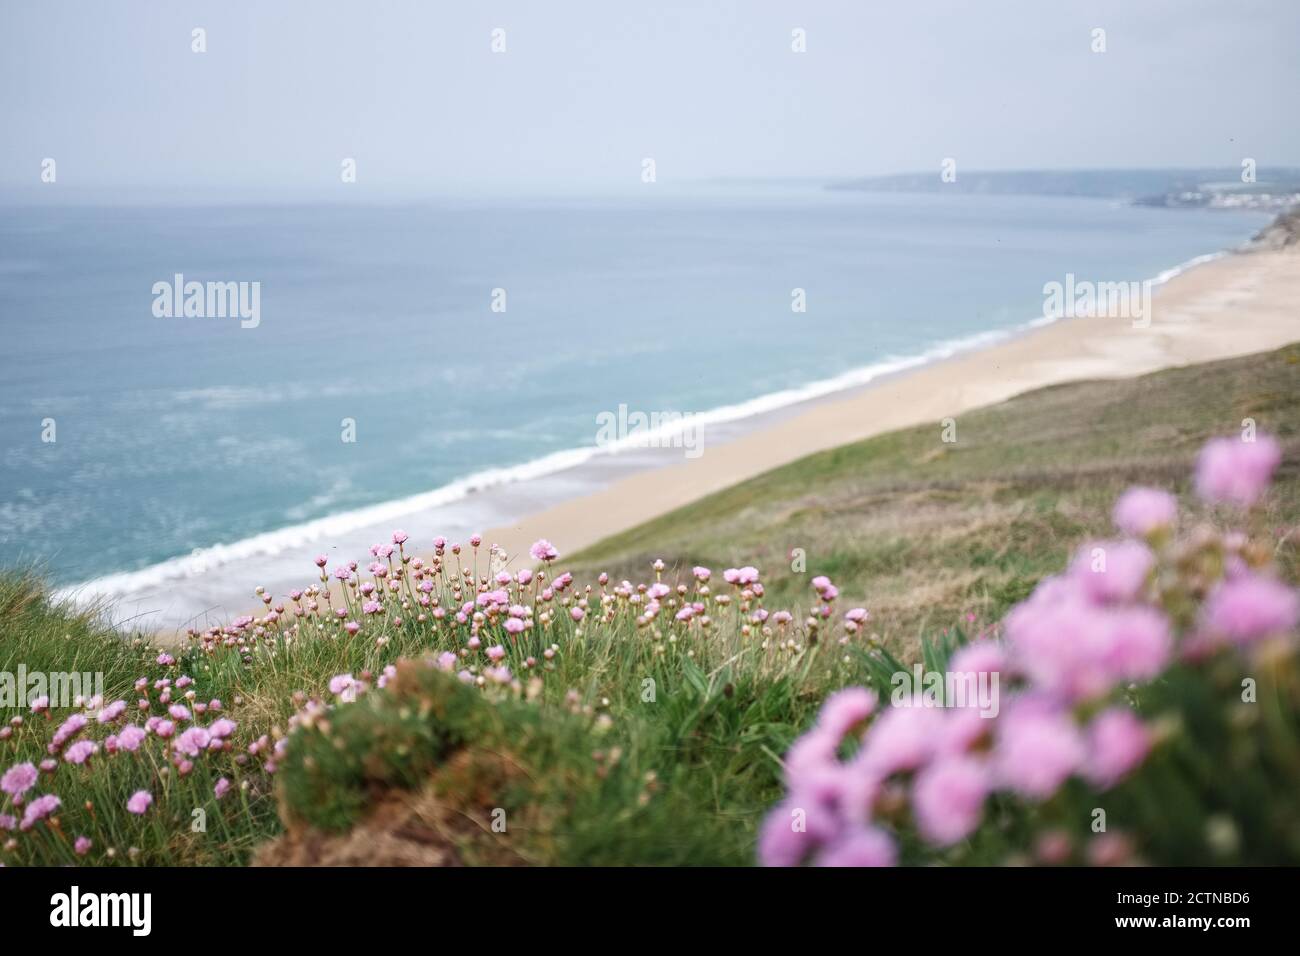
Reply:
x=181, y=435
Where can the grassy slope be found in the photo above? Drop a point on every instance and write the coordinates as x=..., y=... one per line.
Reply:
x=926, y=532
x=919, y=530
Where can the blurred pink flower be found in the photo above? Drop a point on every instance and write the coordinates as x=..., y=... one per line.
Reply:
x=862, y=846
x=1117, y=742
x=1247, y=608
x=1112, y=571
x=1141, y=511
x=948, y=799
x=139, y=802
x=1036, y=749
x=1236, y=471
x=18, y=779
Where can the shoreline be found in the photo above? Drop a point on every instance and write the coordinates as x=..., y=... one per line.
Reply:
x=576, y=497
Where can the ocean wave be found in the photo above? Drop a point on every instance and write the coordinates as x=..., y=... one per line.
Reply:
x=272, y=543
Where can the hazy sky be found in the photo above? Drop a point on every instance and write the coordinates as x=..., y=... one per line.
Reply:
x=587, y=88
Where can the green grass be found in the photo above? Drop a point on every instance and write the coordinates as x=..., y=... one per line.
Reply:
x=921, y=532
x=925, y=533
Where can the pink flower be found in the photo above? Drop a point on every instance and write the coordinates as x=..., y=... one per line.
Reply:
x=978, y=657
x=221, y=788
x=1112, y=571
x=844, y=710
x=783, y=840
x=80, y=752
x=166, y=660
x=193, y=741
x=1138, y=644
x=67, y=730
x=131, y=737
x=399, y=537
x=18, y=779
x=948, y=799
x=39, y=809
x=1140, y=511
x=514, y=626
x=1250, y=607
x=862, y=846
x=140, y=801
x=222, y=728
x=82, y=845
x=902, y=738
x=1236, y=471
x=1117, y=742
x=112, y=712
x=1036, y=749
x=341, y=683
x=496, y=653
x=543, y=550
x=702, y=574
x=179, y=712
x=577, y=613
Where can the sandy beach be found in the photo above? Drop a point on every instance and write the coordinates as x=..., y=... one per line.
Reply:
x=1233, y=305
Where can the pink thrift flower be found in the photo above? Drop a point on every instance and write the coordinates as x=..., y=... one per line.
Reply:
x=80, y=752
x=903, y=737
x=978, y=657
x=1036, y=749
x=131, y=737
x=577, y=614
x=1250, y=607
x=179, y=712
x=221, y=788
x=1140, y=511
x=1236, y=471
x=82, y=845
x=112, y=712
x=948, y=799
x=783, y=839
x=38, y=810
x=1112, y=571
x=18, y=779
x=1139, y=644
x=863, y=846
x=514, y=626
x=1117, y=742
x=222, y=727
x=193, y=741
x=8, y=822
x=140, y=801
x=543, y=550
x=844, y=710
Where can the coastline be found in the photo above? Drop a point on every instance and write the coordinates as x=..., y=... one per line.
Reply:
x=580, y=496
x=1231, y=304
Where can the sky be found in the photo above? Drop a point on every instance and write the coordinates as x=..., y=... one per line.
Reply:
x=587, y=89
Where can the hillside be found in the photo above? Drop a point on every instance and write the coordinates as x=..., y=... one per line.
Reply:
x=926, y=532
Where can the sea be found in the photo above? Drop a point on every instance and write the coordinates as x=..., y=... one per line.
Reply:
x=453, y=357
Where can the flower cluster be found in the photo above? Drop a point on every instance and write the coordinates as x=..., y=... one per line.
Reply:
x=1073, y=658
